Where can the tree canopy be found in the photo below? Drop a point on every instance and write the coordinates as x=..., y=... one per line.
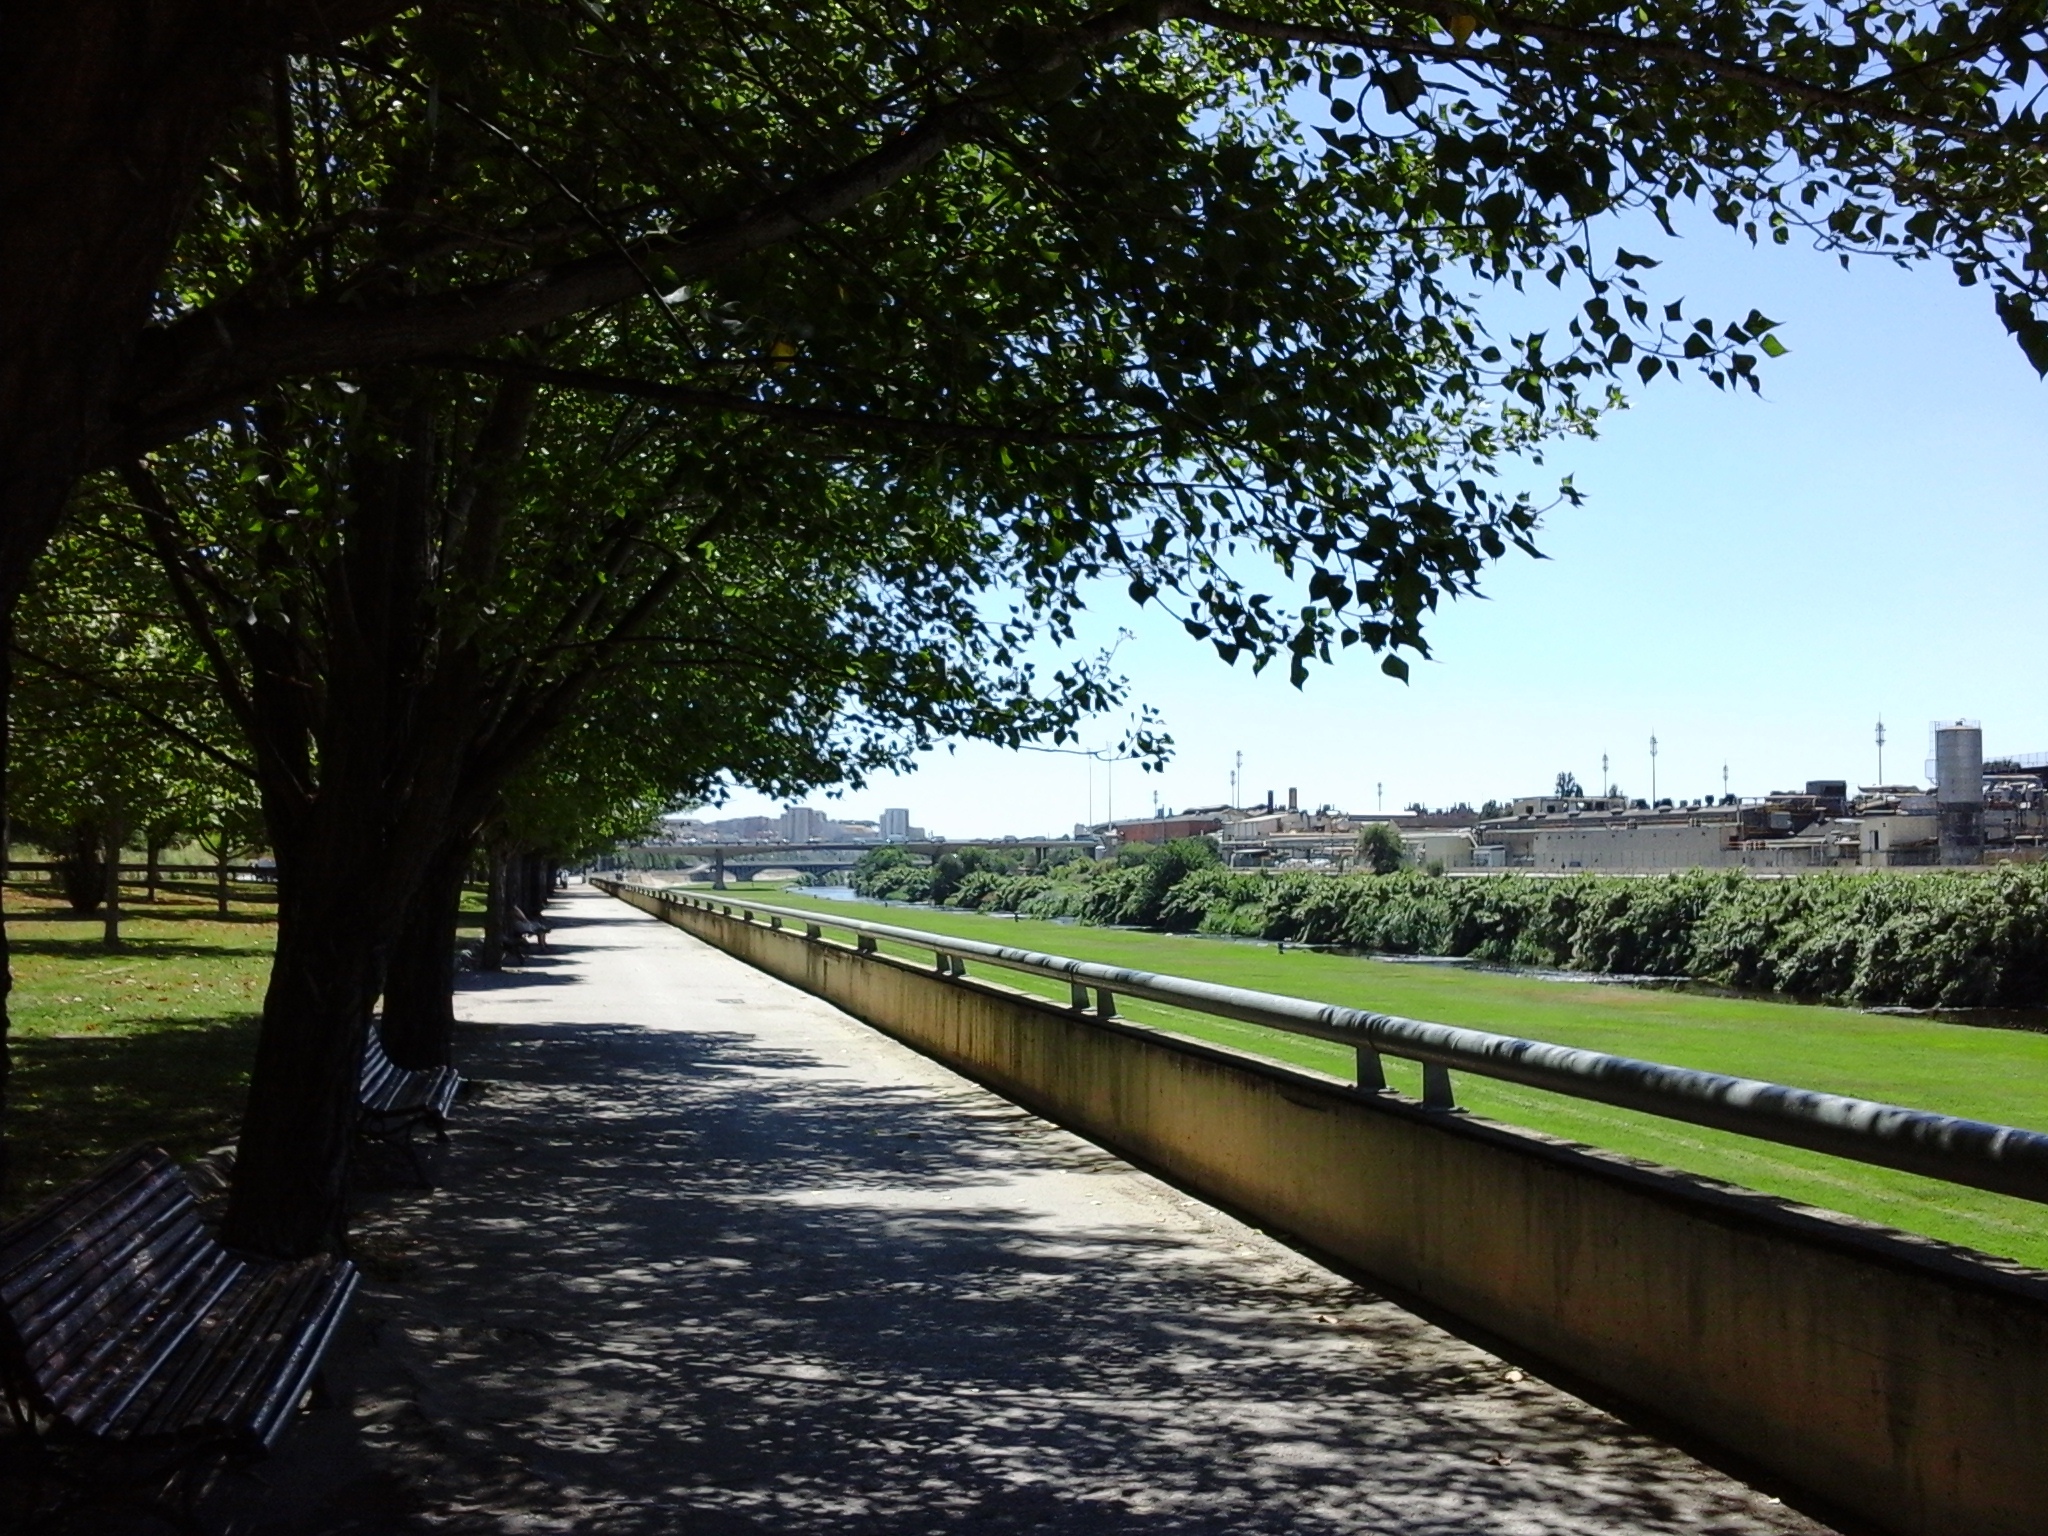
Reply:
x=507, y=357
x=1142, y=286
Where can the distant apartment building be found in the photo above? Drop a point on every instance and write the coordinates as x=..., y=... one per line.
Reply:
x=896, y=827
x=801, y=824
x=734, y=829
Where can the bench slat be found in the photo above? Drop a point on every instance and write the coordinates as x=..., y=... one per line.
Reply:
x=122, y=1338
x=245, y=1371
x=94, y=1409
x=209, y=1360
x=97, y=1241
x=90, y=1284
x=125, y=1319
x=390, y=1091
x=56, y=1219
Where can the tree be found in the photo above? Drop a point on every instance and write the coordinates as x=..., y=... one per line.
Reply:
x=983, y=227
x=407, y=591
x=1380, y=848
x=1568, y=786
x=117, y=736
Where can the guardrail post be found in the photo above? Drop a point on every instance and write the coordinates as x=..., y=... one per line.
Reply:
x=1436, y=1087
x=1372, y=1077
x=940, y=963
x=774, y=922
x=1105, y=1003
x=864, y=945
x=813, y=931
x=1080, y=996
x=957, y=964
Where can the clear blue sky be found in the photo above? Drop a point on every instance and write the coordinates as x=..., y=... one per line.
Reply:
x=1755, y=580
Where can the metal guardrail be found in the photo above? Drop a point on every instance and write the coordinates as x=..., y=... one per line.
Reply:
x=2002, y=1158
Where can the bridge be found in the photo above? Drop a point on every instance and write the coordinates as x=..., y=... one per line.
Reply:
x=823, y=858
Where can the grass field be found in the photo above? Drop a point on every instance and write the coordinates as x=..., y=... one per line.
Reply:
x=151, y=1042
x=1987, y=1074
x=148, y=1042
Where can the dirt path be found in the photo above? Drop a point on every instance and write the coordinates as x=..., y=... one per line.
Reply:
x=712, y=1257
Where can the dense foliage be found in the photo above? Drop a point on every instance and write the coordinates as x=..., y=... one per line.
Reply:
x=1966, y=939
x=942, y=316
x=1132, y=291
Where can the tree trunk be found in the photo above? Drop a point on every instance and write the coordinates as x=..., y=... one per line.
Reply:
x=108, y=109
x=290, y=1192
x=536, y=884
x=110, y=911
x=345, y=873
x=81, y=869
x=151, y=854
x=220, y=873
x=491, y=957
x=419, y=983
x=6, y=852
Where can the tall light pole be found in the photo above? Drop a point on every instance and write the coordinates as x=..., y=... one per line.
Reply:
x=1379, y=797
x=1653, y=773
x=1880, y=751
x=1724, y=781
x=1605, y=783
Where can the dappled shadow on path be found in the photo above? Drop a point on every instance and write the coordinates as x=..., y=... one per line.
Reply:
x=696, y=1281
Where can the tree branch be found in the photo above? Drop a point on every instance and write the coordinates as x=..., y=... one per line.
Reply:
x=595, y=381
x=1510, y=23
x=161, y=523
x=188, y=373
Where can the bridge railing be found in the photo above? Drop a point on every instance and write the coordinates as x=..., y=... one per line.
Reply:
x=2002, y=1158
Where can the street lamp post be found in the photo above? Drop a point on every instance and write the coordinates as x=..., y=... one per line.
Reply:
x=1653, y=773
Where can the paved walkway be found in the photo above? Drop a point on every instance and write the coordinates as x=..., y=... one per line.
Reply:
x=712, y=1257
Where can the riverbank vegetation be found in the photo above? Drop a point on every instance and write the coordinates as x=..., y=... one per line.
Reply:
x=1911, y=939
x=1989, y=1074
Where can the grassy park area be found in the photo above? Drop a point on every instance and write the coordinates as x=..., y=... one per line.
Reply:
x=150, y=1042
x=1988, y=1074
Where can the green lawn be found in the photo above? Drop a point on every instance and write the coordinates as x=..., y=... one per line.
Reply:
x=150, y=1042
x=1987, y=1074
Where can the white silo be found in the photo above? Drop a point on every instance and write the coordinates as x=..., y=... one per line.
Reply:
x=1959, y=790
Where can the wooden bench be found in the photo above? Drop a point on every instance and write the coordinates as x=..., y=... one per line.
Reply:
x=124, y=1323
x=395, y=1101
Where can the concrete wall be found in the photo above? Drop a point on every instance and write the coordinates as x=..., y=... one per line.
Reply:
x=1650, y=845
x=1897, y=1380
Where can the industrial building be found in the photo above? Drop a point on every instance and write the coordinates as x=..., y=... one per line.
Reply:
x=1973, y=815
x=1976, y=813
